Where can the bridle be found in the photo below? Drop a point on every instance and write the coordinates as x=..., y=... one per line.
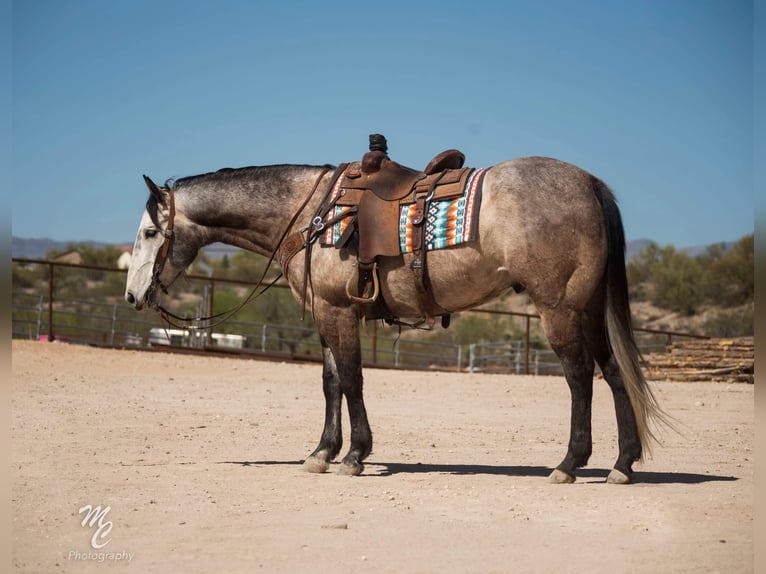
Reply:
x=164, y=253
x=167, y=244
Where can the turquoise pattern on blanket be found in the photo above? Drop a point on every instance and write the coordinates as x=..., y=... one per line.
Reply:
x=448, y=222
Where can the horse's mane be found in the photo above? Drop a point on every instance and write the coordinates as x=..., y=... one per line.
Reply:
x=228, y=174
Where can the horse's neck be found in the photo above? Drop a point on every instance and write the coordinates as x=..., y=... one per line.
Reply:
x=251, y=213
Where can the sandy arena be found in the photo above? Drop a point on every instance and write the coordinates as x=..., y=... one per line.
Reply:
x=199, y=461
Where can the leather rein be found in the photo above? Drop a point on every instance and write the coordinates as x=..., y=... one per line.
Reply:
x=164, y=252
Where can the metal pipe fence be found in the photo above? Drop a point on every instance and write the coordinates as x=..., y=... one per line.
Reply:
x=44, y=307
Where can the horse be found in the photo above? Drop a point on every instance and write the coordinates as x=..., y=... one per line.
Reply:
x=545, y=226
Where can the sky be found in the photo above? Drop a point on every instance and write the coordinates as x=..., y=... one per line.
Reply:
x=653, y=97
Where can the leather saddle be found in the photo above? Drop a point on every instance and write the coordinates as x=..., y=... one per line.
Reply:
x=378, y=187
x=375, y=188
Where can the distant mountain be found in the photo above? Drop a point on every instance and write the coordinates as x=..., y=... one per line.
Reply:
x=39, y=248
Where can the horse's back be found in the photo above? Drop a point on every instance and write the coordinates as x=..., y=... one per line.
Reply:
x=539, y=181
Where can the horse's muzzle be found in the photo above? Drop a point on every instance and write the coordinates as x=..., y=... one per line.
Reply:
x=138, y=304
x=131, y=299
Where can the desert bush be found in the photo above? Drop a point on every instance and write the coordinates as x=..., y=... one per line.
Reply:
x=674, y=280
x=730, y=274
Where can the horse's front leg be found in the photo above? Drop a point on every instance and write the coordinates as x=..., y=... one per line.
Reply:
x=332, y=437
x=342, y=376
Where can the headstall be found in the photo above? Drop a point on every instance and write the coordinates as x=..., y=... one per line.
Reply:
x=162, y=256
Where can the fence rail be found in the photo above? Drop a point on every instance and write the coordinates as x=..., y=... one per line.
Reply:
x=105, y=320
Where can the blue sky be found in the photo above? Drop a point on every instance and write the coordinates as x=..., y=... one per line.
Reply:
x=654, y=97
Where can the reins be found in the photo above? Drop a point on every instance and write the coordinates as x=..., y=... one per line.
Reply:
x=316, y=227
x=162, y=256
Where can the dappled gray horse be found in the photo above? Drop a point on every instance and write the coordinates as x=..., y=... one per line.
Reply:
x=545, y=226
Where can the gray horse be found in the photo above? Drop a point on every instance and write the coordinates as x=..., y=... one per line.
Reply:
x=545, y=226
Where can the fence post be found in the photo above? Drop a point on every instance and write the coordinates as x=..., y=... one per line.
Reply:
x=374, y=342
x=526, y=347
x=39, y=317
x=471, y=356
x=50, y=303
x=263, y=338
x=210, y=306
x=114, y=325
x=459, y=357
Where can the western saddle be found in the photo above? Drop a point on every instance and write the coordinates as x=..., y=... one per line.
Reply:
x=372, y=192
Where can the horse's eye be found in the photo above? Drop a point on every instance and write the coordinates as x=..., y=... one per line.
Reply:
x=149, y=233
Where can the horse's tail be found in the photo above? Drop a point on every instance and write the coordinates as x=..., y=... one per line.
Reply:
x=618, y=323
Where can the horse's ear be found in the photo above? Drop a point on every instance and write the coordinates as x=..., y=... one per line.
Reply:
x=154, y=190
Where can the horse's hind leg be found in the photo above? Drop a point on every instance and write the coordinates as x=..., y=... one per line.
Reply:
x=563, y=329
x=628, y=439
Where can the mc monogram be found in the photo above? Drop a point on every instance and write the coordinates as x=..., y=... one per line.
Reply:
x=95, y=517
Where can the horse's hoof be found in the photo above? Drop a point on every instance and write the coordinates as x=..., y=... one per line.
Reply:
x=618, y=477
x=350, y=469
x=561, y=477
x=315, y=465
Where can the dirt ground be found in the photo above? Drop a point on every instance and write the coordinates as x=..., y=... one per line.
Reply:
x=198, y=460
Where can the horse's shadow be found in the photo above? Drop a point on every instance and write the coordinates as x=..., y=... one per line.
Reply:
x=583, y=474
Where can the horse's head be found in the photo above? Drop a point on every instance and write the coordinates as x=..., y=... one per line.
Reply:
x=157, y=260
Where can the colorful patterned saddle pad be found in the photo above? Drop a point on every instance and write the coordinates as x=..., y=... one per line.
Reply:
x=448, y=222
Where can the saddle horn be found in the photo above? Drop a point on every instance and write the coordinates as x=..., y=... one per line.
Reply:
x=378, y=143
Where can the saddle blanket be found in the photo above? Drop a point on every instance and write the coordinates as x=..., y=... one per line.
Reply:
x=448, y=222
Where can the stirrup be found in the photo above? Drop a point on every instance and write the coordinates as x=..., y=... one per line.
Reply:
x=375, y=285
